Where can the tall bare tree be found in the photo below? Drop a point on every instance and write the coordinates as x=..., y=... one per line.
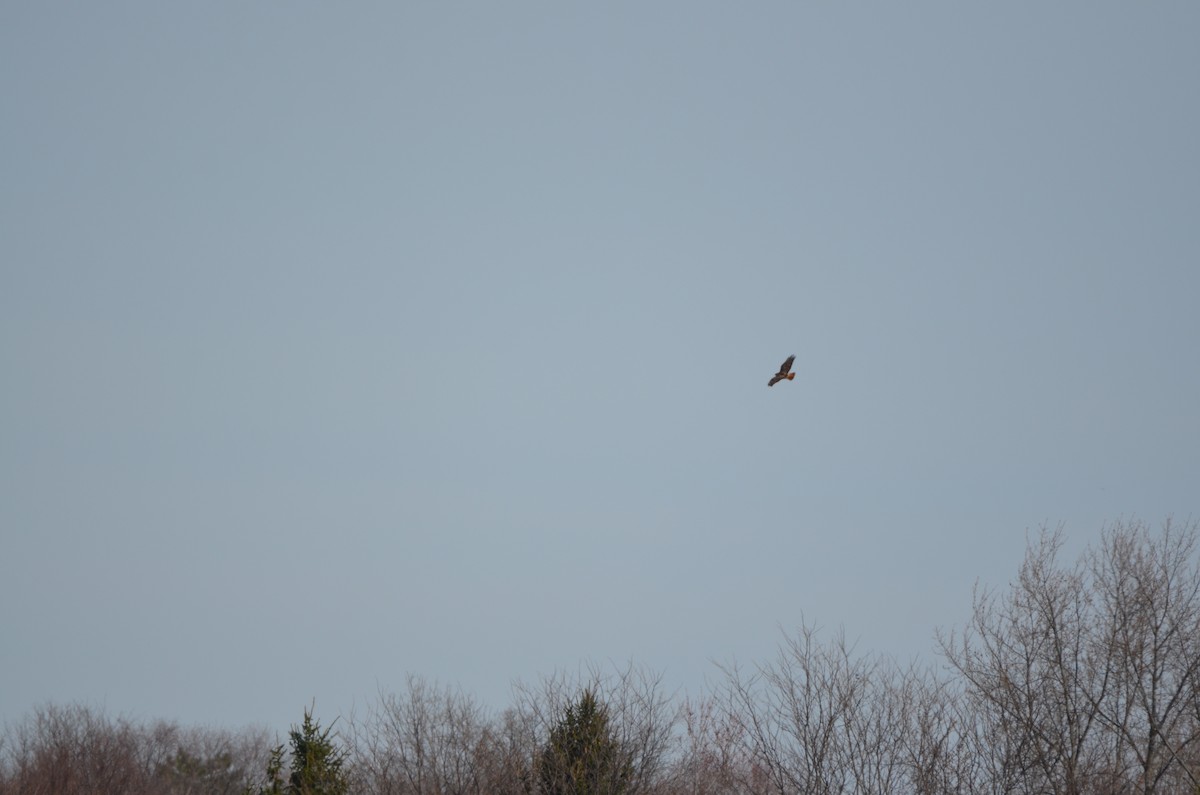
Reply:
x=1083, y=678
x=426, y=740
x=1031, y=674
x=822, y=718
x=1147, y=626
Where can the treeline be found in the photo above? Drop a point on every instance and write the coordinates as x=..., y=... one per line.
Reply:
x=1079, y=677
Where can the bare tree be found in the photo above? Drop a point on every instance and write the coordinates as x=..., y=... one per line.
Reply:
x=508, y=753
x=202, y=761
x=425, y=740
x=75, y=749
x=936, y=757
x=1148, y=632
x=62, y=750
x=711, y=758
x=1031, y=676
x=822, y=719
x=644, y=719
x=1086, y=677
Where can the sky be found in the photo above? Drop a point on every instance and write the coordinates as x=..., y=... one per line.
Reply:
x=341, y=342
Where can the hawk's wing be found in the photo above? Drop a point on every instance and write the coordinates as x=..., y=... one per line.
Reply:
x=784, y=369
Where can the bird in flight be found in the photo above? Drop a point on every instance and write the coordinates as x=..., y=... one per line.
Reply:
x=785, y=372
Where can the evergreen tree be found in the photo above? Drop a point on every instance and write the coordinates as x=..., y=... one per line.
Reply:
x=582, y=756
x=316, y=764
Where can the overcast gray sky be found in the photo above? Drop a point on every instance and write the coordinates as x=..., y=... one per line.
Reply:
x=342, y=341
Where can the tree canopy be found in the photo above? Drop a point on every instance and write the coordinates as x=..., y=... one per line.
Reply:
x=582, y=756
x=316, y=767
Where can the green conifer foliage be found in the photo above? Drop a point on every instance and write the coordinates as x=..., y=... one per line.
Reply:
x=582, y=755
x=316, y=764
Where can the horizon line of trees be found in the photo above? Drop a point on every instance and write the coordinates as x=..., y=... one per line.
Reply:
x=1078, y=677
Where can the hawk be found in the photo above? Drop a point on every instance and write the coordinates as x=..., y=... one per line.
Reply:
x=785, y=373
